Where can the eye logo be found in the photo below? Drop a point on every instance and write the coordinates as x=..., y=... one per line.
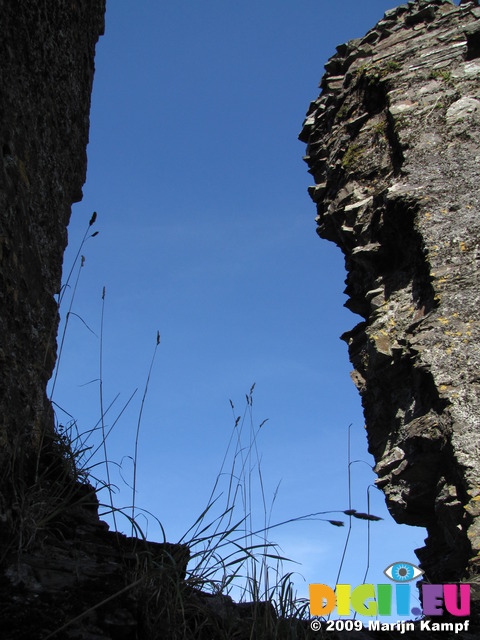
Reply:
x=403, y=571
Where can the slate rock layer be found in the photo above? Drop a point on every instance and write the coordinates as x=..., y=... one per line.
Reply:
x=393, y=144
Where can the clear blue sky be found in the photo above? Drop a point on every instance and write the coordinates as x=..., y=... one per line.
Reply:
x=207, y=234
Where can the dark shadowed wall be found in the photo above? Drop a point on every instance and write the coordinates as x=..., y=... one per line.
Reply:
x=46, y=71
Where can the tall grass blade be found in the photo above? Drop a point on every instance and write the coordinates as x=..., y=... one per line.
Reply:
x=102, y=415
x=135, y=457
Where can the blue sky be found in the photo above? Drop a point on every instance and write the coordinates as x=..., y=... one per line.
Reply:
x=207, y=234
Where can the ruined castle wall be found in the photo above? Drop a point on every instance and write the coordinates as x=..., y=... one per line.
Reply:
x=46, y=72
x=393, y=143
x=58, y=561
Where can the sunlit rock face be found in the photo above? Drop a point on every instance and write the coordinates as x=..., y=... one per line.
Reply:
x=393, y=144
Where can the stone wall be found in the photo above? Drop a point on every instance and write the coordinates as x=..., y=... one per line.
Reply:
x=46, y=72
x=63, y=573
x=393, y=144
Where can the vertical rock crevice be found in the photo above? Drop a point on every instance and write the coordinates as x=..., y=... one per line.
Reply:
x=393, y=144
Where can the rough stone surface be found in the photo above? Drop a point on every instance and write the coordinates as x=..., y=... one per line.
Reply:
x=57, y=559
x=46, y=73
x=393, y=144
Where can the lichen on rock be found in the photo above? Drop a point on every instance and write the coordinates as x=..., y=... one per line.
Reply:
x=393, y=144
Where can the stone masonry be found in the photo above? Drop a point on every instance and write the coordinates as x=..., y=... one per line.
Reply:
x=46, y=73
x=393, y=144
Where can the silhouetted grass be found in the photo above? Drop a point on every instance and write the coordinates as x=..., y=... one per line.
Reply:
x=236, y=584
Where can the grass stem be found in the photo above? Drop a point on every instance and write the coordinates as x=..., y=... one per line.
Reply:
x=102, y=415
x=135, y=458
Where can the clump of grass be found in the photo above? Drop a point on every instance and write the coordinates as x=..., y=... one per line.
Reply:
x=231, y=558
x=362, y=70
x=228, y=519
x=45, y=481
x=229, y=546
x=445, y=75
x=343, y=112
x=380, y=129
x=232, y=554
x=375, y=73
x=392, y=65
x=352, y=157
x=46, y=498
x=49, y=488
